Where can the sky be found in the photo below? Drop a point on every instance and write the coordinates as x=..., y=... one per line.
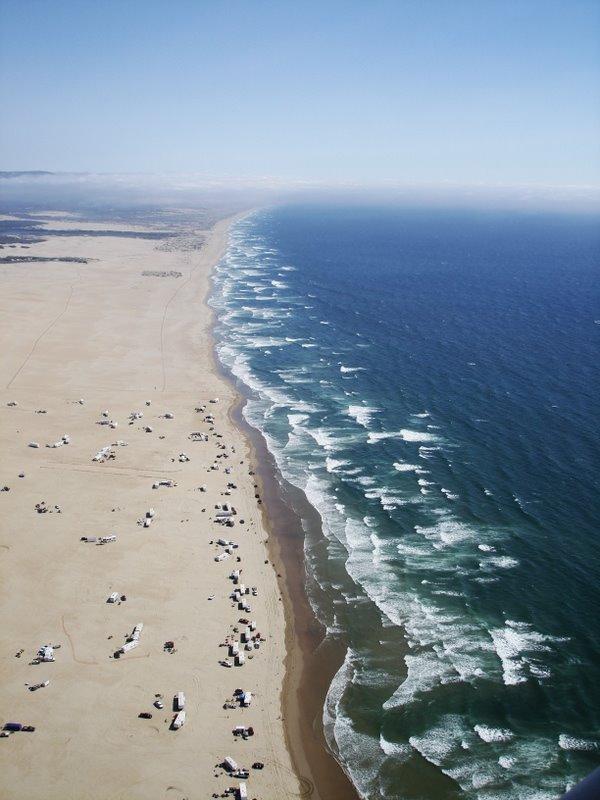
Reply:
x=481, y=92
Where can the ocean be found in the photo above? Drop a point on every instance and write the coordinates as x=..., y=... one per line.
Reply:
x=430, y=380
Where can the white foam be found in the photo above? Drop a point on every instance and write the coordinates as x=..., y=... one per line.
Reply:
x=448, y=531
x=394, y=749
x=260, y=342
x=566, y=742
x=452, y=745
x=362, y=755
x=332, y=464
x=411, y=550
x=423, y=672
x=362, y=414
x=438, y=742
x=303, y=406
x=345, y=370
x=388, y=501
x=294, y=376
x=520, y=503
x=406, y=434
x=450, y=495
x=323, y=437
x=493, y=734
x=297, y=419
x=378, y=437
x=506, y=762
x=417, y=436
x=450, y=648
x=539, y=671
x=404, y=467
x=517, y=645
x=501, y=562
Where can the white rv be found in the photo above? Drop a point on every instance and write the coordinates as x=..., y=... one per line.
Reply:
x=178, y=720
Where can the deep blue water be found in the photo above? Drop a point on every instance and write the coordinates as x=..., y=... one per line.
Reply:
x=430, y=379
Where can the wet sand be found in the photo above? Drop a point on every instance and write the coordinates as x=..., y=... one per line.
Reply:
x=312, y=660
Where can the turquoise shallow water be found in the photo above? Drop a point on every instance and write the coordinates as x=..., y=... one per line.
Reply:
x=430, y=381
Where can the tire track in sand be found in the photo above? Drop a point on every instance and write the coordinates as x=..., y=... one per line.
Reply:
x=43, y=333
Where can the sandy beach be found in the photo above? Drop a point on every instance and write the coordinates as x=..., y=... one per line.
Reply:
x=116, y=368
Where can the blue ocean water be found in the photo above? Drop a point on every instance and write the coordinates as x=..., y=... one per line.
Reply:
x=430, y=380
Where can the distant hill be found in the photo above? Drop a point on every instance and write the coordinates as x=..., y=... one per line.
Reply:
x=33, y=173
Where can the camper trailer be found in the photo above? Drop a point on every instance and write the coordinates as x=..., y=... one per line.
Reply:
x=135, y=633
x=246, y=699
x=46, y=653
x=178, y=720
x=229, y=764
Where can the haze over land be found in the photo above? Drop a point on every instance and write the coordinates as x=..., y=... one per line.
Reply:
x=87, y=191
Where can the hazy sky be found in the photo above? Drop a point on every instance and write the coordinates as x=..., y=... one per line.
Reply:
x=491, y=91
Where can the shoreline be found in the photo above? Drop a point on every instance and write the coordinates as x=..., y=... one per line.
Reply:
x=311, y=660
